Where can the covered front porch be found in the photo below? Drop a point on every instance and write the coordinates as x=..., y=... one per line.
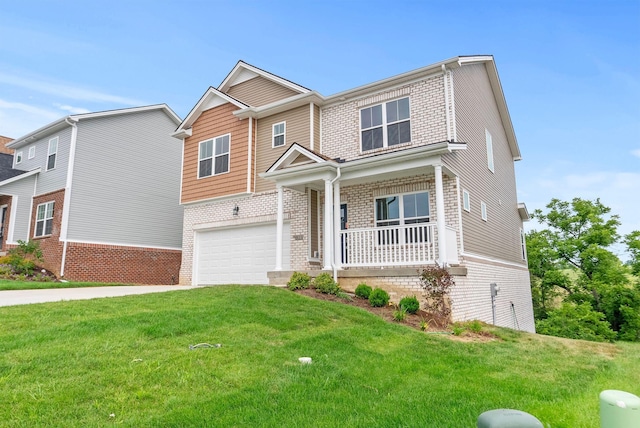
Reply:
x=383, y=211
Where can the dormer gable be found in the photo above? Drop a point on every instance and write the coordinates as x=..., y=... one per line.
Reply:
x=243, y=72
x=297, y=155
x=212, y=98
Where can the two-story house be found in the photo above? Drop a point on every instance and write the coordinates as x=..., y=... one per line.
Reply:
x=100, y=193
x=370, y=184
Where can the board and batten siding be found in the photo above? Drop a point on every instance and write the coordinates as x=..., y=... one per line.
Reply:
x=56, y=178
x=476, y=110
x=126, y=181
x=297, y=131
x=22, y=194
x=260, y=91
x=213, y=123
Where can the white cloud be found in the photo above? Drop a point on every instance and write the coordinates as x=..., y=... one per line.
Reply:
x=636, y=152
x=66, y=91
x=71, y=109
x=18, y=119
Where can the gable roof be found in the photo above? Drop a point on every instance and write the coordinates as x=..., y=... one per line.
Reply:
x=294, y=154
x=210, y=99
x=68, y=120
x=243, y=72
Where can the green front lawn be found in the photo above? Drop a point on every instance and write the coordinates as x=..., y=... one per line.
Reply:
x=10, y=284
x=126, y=361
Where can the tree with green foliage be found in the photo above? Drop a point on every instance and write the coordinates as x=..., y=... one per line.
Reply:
x=571, y=259
x=632, y=241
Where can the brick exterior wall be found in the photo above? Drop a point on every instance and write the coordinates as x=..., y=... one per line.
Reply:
x=112, y=263
x=341, y=122
x=50, y=245
x=5, y=200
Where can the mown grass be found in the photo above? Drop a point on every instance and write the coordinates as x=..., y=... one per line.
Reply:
x=126, y=361
x=10, y=284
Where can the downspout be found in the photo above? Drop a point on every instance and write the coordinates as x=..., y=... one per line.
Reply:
x=333, y=259
x=67, y=192
x=446, y=102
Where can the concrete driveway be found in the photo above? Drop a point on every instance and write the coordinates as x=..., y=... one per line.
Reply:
x=25, y=297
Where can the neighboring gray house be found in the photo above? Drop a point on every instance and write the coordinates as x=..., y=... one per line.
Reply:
x=100, y=193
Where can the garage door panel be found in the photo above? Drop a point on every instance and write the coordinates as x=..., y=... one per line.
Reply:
x=241, y=255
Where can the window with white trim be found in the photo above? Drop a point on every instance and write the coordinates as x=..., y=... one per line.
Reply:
x=466, y=201
x=483, y=210
x=398, y=210
x=385, y=125
x=44, y=219
x=523, y=244
x=51, y=153
x=213, y=158
x=279, y=130
x=32, y=152
x=18, y=158
x=487, y=135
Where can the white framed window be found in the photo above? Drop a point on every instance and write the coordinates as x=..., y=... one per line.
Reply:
x=18, y=158
x=51, y=153
x=523, y=244
x=385, y=125
x=32, y=152
x=399, y=210
x=278, y=135
x=489, y=140
x=44, y=219
x=213, y=158
x=483, y=210
x=466, y=201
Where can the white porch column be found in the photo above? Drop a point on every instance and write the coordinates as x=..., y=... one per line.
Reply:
x=328, y=224
x=337, y=252
x=440, y=223
x=279, y=227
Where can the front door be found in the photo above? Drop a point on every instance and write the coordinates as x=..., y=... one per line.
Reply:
x=3, y=216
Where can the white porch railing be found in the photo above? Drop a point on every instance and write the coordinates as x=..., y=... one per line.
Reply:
x=388, y=246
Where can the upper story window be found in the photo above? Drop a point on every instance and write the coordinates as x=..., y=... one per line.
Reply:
x=466, y=201
x=18, y=158
x=214, y=156
x=483, y=211
x=44, y=219
x=489, y=150
x=385, y=125
x=32, y=152
x=51, y=154
x=279, y=130
x=523, y=244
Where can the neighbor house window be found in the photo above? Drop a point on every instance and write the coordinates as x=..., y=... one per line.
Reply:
x=18, y=157
x=400, y=210
x=32, y=152
x=51, y=154
x=489, y=150
x=385, y=125
x=483, y=210
x=278, y=134
x=466, y=201
x=44, y=219
x=523, y=244
x=214, y=156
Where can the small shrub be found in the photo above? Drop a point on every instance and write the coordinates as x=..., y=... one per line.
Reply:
x=424, y=325
x=363, y=291
x=341, y=294
x=475, y=326
x=410, y=304
x=4, y=260
x=378, y=298
x=299, y=281
x=458, y=330
x=577, y=322
x=324, y=283
x=400, y=314
x=436, y=282
x=23, y=257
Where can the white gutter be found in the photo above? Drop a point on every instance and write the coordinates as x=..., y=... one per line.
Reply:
x=67, y=192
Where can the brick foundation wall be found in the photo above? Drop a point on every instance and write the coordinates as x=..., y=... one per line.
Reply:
x=111, y=263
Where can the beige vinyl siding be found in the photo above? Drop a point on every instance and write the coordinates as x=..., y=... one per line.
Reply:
x=297, y=132
x=476, y=110
x=259, y=91
x=126, y=181
x=316, y=129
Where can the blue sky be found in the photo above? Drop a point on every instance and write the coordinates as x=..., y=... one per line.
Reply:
x=570, y=70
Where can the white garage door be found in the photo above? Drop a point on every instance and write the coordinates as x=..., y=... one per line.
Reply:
x=240, y=255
